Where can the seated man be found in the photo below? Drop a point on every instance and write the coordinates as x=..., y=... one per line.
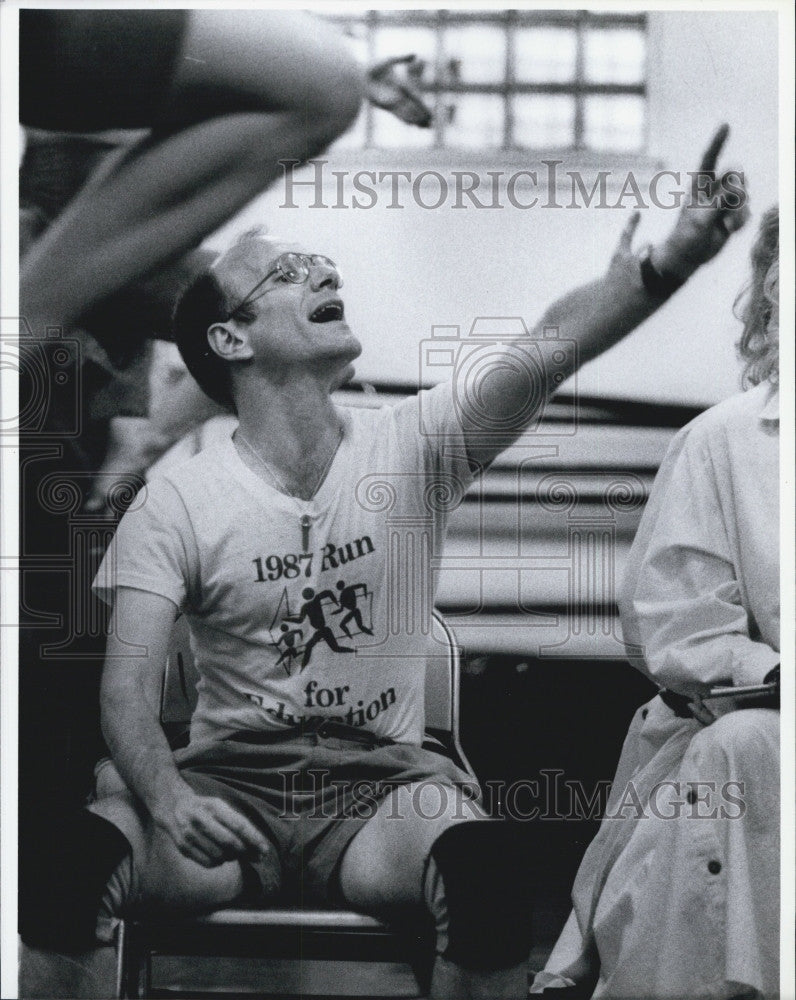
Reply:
x=260, y=532
x=685, y=902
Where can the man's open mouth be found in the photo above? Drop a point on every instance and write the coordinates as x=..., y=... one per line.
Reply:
x=329, y=312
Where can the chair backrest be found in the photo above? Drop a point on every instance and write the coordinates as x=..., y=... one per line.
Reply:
x=179, y=695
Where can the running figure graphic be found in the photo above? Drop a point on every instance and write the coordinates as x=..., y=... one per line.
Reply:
x=312, y=609
x=292, y=649
x=348, y=602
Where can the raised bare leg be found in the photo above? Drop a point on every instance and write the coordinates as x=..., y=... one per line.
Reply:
x=249, y=88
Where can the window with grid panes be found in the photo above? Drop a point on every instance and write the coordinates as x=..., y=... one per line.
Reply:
x=510, y=79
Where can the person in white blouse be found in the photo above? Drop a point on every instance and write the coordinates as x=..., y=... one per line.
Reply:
x=678, y=894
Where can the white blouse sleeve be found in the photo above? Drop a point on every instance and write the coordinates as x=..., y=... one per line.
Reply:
x=681, y=600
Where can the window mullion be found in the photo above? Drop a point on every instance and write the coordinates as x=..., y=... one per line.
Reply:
x=508, y=110
x=439, y=76
x=580, y=79
x=371, y=22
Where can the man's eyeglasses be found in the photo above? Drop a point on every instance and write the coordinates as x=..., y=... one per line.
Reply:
x=293, y=267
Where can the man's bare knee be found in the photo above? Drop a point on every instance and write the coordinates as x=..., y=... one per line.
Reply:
x=385, y=861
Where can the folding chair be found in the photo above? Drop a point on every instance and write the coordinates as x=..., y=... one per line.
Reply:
x=287, y=934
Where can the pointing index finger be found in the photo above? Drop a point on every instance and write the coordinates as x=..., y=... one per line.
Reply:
x=710, y=159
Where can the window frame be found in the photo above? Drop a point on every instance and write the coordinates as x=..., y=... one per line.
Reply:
x=579, y=88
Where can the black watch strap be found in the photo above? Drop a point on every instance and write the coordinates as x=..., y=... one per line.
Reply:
x=659, y=286
x=772, y=677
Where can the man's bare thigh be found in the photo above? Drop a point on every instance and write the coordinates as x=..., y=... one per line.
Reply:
x=161, y=874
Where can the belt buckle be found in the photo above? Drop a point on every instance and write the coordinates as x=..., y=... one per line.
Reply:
x=329, y=729
x=323, y=729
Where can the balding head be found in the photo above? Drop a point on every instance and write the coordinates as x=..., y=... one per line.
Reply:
x=244, y=263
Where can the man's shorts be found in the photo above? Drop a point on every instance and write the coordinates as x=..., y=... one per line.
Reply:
x=312, y=794
x=87, y=70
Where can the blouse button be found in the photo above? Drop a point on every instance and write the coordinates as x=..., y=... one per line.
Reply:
x=714, y=867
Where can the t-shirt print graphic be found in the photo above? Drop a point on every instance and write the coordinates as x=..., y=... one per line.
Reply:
x=330, y=616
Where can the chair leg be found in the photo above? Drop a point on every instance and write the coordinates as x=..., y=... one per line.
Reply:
x=145, y=968
x=121, y=935
x=132, y=966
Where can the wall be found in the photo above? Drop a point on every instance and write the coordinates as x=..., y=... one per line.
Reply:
x=410, y=268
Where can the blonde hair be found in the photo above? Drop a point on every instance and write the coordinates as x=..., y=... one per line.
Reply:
x=758, y=305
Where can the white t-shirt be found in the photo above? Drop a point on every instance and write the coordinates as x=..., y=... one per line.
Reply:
x=280, y=632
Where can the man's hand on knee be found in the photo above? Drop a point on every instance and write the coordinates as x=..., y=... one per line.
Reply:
x=208, y=830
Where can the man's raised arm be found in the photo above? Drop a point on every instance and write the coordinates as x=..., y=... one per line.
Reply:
x=599, y=314
x=204, y=828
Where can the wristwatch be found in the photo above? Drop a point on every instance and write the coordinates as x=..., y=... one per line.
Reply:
x=658, y=285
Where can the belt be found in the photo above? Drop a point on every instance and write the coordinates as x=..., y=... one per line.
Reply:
x=316, y=725
x=765, y=695
x=678, y=703
x=330, y=729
